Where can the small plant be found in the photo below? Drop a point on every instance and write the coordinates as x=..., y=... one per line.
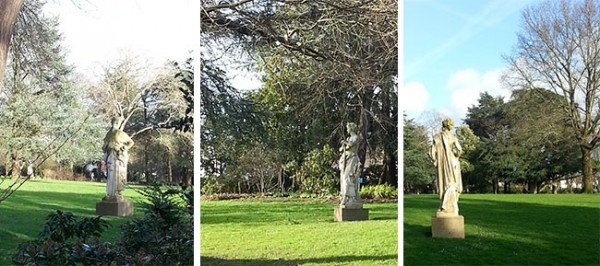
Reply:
x=63, y=241
x=379, y=192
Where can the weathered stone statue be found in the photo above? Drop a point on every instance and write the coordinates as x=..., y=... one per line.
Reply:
x=116, y=146
x=445, y=153
x=351, y=207
x=349, y=165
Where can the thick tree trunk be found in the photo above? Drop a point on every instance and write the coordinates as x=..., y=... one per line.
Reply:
x=588, y=175
x=15, y=167
x=9, y=10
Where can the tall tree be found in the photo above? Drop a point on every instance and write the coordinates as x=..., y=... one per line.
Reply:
x=9, y=10
x=419, y=171
x=350, y=48
x=559, y=49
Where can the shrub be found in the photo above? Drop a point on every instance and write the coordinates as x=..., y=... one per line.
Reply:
x=63, y=242
x=379, y=192
x=209, y=185
x=316, y=174
x=163, y=236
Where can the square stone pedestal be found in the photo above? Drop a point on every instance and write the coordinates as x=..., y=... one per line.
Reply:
x=345, y=214
x=122, y=207
x=448, y=227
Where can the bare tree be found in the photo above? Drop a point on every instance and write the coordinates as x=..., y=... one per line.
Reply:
x=559, y=49
x=9, y=11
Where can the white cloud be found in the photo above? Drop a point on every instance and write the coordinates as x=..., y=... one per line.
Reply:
x=466, y=85
x=98, y=32
x=413, y=97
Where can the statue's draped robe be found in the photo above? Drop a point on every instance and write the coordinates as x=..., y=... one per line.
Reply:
x=444, y=152
x=349, y=165
x=116, y=144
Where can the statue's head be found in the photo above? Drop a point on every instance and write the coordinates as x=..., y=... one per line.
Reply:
x=351, y=127
x=447, y=124
x=116, y=121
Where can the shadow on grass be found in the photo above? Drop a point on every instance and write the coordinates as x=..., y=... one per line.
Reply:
x=23, y=215
x=251, y=212
x=504, y=232
x=340, y=260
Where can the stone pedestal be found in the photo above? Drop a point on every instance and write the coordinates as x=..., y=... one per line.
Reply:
x=448, y=226
x=346, y=214
x=114, y=207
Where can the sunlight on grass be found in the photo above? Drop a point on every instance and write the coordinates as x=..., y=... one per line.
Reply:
x=254, y=232
x=22, y=215
x=507, y=229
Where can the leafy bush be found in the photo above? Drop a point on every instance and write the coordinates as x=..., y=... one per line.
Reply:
x=163, y=236
x=63, y=242
x=209, y=186
x=316, y=175
x=379, y=192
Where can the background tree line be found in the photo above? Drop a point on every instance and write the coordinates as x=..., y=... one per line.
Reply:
x=322, y=64
x=54, y=118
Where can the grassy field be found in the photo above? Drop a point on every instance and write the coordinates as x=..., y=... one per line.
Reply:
x=547, y=229
x=254, y=232
x=22, y=216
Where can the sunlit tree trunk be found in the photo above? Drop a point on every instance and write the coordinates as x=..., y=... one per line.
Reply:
x=9, y=10
x=587, y=169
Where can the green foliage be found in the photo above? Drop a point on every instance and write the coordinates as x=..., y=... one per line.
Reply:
x=316, y=175
x=209, y=185
x=63, y=241
x=418, y=167
x=379, y=192
x=163, y=236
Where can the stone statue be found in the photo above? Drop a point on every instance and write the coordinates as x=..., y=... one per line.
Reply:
x=349, y=165
x=116, y=146
x=445, y=153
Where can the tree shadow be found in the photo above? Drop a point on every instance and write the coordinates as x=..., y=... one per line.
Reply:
x=498, y=232
x=338, y=260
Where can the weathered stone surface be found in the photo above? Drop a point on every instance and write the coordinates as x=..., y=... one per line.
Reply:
x=448, y=226
x=121, y=207
x=346, y=215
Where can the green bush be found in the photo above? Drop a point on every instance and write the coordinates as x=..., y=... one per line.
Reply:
x=379, y=192
x=163, y=236
x=209, y=186
x=316, y=175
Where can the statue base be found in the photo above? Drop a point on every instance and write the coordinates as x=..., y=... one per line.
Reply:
x=448, y=226
x=114, y=207
x=347, y=215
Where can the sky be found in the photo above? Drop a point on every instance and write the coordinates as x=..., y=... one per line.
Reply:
x=453, y=51
x=97, y=32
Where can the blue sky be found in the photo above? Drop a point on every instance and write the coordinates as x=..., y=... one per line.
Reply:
x=453, y=51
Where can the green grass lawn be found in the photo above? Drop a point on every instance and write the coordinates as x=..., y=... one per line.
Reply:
x=281, y=232
x=546, y=229
x=22, y=215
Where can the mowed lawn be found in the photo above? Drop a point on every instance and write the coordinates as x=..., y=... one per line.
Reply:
x=506, y=229
x=22, y=215
x=289, y=232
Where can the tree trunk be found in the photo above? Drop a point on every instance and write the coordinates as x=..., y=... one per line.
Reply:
x=9, y=10
x=15, y=167
x=170, y=169
x=587, y=170
x=364, y=129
